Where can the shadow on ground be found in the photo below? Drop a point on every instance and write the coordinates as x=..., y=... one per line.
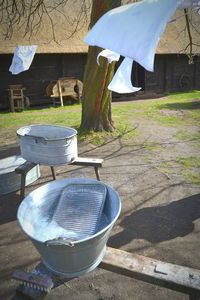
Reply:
x=181, y=106
x=159, y=223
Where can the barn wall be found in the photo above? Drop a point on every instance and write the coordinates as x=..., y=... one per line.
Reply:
x=45, y=67
x=173, y=73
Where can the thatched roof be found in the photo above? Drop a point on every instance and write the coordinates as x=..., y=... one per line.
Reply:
x=174, y=40
x=65, y=23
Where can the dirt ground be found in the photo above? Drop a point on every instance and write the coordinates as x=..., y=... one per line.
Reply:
x=160, y=215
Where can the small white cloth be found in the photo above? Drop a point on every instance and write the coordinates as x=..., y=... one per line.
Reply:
x=133, y=31
x=22, y=59
x=121, y=82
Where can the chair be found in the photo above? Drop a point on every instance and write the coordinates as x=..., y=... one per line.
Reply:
x=16, y=97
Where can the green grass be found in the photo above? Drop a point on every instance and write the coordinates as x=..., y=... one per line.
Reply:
x=122, y=131
x=190, y=168
x=66, y=116
x=172, y=110
x=152, y=146
x=191, y=177
x=182, y=97
x=189, y=162
x=10, y=122
x=160, y=111
x=167, y=167
x=192, y=137
x=69, y=116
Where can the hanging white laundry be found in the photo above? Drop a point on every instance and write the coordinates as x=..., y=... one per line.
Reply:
x=110, y=55
x=121, y=82
x=22, y=59
x=133, y=30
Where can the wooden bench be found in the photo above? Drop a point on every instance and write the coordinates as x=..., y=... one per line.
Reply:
x=89, y=162
x=79, y=161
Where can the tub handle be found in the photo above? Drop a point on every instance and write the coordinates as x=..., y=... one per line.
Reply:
x=68, y=141
x=38, y=139
x=60, y=242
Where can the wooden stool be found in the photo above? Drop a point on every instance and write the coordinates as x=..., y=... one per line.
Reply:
x=16, y=97
x=79, y=161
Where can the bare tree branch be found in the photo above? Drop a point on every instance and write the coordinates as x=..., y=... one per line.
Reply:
x=29, y=16
x=189, y=24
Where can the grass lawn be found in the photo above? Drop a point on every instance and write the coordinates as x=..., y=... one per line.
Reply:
x=178, y=109
x=176, y=114
x=172, y=110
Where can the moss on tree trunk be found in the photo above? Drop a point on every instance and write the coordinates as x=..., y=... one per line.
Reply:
x=96, y=99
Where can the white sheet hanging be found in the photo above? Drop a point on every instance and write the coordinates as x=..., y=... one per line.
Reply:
x=121, y=82
x=133, y=30
x=22, y=59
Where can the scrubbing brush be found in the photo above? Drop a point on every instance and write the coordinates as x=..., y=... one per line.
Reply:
x=33, y=281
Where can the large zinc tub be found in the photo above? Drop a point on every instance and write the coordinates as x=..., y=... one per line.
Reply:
x=48, y=145
x=65, y=259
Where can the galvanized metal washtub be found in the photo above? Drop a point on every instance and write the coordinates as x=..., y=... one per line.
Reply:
x=47, y=144
x=9, y=180
x=60, y=256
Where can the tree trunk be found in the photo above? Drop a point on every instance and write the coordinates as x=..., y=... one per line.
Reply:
x=96, y=98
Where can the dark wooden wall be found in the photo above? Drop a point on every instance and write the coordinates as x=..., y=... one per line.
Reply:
x=44, y=68
x=172, y=73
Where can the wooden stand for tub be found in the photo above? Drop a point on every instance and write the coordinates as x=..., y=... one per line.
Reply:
x=178, y=278
x=79, y=161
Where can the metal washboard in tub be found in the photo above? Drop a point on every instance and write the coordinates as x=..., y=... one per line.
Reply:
x=79, y=210
x=69, y=223
x=47, y=144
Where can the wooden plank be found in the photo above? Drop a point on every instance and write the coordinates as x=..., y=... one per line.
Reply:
x=89, y=162
x=175, y=277
x=53, y=173
x=25, y=167
x=60, y=92
x=83, y=161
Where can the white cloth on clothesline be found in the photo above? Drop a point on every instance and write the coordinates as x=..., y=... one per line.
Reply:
x=22, y=59
x=132, y=31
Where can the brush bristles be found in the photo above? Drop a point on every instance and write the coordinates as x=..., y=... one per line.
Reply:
x=32, y=281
